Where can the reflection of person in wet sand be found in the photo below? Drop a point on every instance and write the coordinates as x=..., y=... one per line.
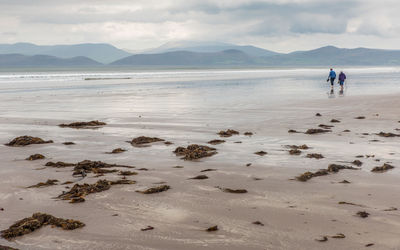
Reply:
x=331, y=93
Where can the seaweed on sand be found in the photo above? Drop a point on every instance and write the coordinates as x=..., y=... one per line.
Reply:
x=142, y=140
x=88, y=166
x=383, y=134
x=325, y=126
x=212, y=229
x=69, y=143
x=59, y=164
x=304, y=146
x=248, y=133
x=335, y=121
x=261, y=153
x=194, y=151
x=127, y=173
x=332, y=168
x=81, y=190
x=294, y=152
x=216, y=142
x=35, y=157
x=312, y=131
x=315, y=156
x=385, y=167
x=228, y=133
x=358, y=163
x=38, y=220
x=154, y=190
x=362, y=214
x=116, y=151
x=233, y=191
x=26, y=140
x=49, y=182
x=91, y=124
x=7, y=248
x=199, y=177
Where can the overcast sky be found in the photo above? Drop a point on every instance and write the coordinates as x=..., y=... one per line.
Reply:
x=280, y=25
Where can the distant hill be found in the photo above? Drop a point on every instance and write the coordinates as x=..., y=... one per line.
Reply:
x=205, y=47
x=187, y=58
x=100, y=52
x=331, y=56
x=39, y=61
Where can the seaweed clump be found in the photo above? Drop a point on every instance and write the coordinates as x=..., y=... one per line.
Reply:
x=304, y=146
x=38, y=220
x=154, y=190
x=233, y=191
x=194, y=151
x=261, y=153
x=385, y=167
x=294, y=152
x=116, y=151
x=383, y=134
x=7, y=248
x=332, y=168
x=35, y=157
x=88, y=166
x=142, y=140
x=228, y=133
x=315, y=156
x=90, y=124
x=79, y=191
x=216, y=142
x=26, y=140
x=312, y=131
x=199, y=177
x=49, y=182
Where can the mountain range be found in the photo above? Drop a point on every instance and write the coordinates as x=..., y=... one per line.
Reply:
x=187, y=54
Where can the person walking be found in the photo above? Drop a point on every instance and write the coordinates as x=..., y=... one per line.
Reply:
x=331, y=77
x=342, y=78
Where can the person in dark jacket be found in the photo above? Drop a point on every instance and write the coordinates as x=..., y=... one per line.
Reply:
x=331, y=77
x=342, y=78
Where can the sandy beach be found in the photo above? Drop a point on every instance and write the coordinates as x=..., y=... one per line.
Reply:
x=292, y=214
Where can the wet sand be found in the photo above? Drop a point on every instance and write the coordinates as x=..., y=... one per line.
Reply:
x=294, y=213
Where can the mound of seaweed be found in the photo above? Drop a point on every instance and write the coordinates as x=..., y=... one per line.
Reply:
x=194, y=151
x=228, y=133
x=90, y=124
x=332, y=168
x=38, y=220
x=26, y=140
x=141, y=140
x=78, y=191
x=87, y=166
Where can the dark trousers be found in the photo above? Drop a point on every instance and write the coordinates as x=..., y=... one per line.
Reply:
x=332, y=81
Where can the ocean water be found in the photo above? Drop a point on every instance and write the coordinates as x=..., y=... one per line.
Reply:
x=184, y=93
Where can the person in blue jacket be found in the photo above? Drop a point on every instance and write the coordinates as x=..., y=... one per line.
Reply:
x=331, y=77
x=342, y=78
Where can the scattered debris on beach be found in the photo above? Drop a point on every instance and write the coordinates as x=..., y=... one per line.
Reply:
x=261, y=153
x=216, y=142
x=81, y=190
x=87, y=166
x=148, y=228
x=35, y=157
x=212, y=229
x=326, y=126
x=208, y=170
x=369, y=245
x=194, y=152
x=322, y=239
x=294, y=152
x=315, y=156
x=259, y=223
x=385, y=167
x=49, y=182
x=228, y=133
x=335, y=121
x=358, y=163
x=303, y=147
x=59, y=164
x=338, y=236
x=391, y=209
x=199, y=177
x=360, y=117
x=143, y=140
x=318, y=114
x=69, y=143
x=332, y=168
x=154, y=190
x=116, y=151
x=292, y=131
x=127, y=173
x=349, y=203
x=346, y=131
x=168, y=143
x=362, y=214
x=248, y=133
x=384, y=134
x=345, y=182
x=26, y=140
x=233, y=191
x=178, y=167
x=312, y=131
x=28, y=225
x=91, y=124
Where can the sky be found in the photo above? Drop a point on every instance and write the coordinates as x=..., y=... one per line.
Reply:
x=279, y=25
